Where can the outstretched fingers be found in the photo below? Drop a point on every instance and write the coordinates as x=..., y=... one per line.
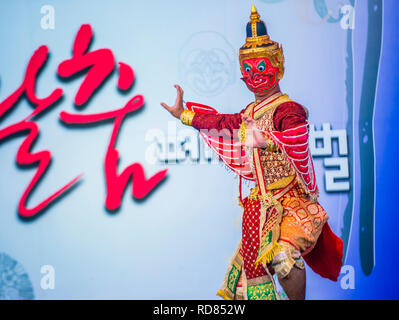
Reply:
x=163, y=104
x=239, y=144
x=180, y=93
x=248, y=120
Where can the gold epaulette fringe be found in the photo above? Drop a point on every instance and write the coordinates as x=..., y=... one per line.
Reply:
x=220, y=293
x=268, y=255
x=240, y=202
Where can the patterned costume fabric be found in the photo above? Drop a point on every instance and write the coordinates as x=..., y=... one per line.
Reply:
x=250, y=238
x=301, y=221
x=282, y=219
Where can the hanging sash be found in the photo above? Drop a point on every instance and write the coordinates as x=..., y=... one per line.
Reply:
x=271, y=209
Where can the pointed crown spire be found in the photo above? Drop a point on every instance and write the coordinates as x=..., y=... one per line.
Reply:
x=259, y=45
x=254, y=14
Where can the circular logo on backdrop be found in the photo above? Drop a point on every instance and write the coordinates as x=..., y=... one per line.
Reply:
x=207, y=63
x=326, y=10
x=14, y=281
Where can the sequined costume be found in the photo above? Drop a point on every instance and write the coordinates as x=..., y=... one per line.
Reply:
x=283, y=223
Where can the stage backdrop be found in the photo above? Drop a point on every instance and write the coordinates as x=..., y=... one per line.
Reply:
x=105, y=195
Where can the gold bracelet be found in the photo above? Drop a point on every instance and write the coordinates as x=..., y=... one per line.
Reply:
x=187, y=117
x=242, y=132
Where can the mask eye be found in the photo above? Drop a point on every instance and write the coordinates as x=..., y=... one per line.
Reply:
x=247, y=67
x=261, y=66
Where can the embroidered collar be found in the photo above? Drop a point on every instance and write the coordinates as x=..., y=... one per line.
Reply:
x=261, y=108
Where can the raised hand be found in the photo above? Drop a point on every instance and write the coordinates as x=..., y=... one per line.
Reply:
x=254, y=136
x=177, y=109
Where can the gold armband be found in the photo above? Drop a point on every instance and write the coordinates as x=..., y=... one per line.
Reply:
x=187, y=117
x=242, y=132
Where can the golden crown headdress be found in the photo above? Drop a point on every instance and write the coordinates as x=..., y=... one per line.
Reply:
x=259, y=45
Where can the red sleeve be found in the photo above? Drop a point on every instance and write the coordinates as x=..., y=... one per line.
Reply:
x=229, y=122
x=289, y=115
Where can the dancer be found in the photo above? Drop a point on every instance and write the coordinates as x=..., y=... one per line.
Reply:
x=267, y=143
